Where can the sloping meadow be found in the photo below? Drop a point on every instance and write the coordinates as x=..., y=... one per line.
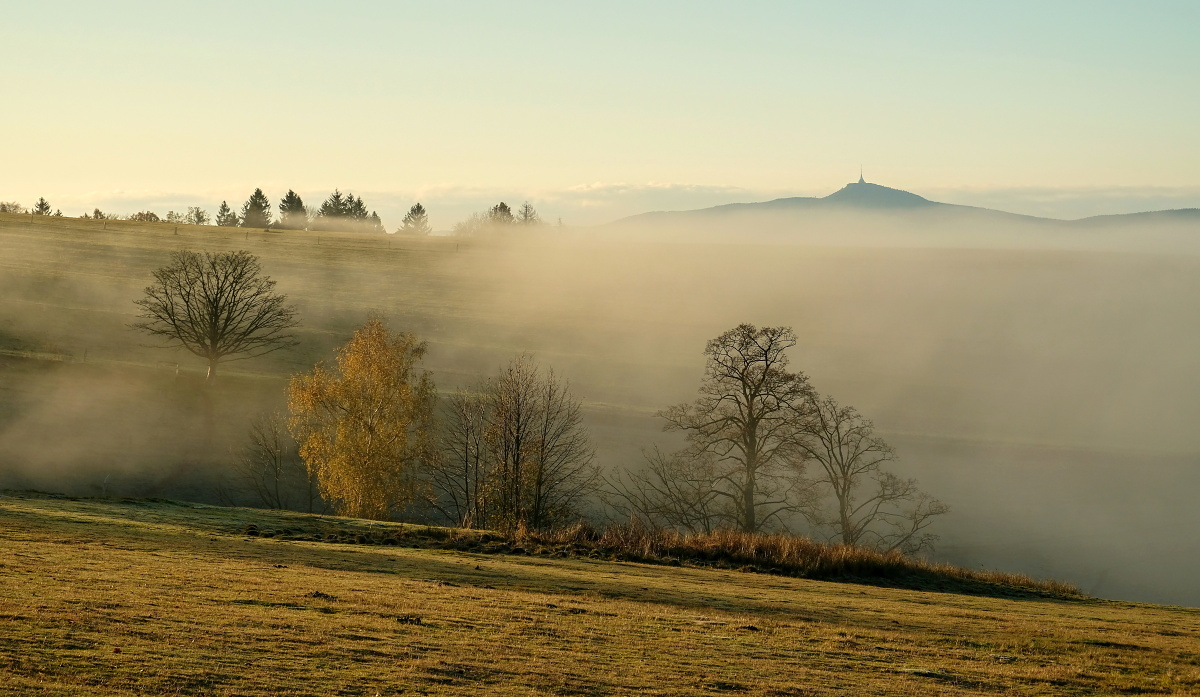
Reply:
x=153, y=597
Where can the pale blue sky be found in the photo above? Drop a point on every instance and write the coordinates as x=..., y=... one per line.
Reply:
x=600, y=109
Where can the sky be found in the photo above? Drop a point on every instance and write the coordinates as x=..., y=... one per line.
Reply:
x=593, y=111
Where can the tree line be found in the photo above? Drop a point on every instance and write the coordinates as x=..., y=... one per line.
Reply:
x=42, y=207
x=368, y=435
x=497, y=219
x=338, y=212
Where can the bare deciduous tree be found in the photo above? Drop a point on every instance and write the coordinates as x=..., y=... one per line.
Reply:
x=873, y=507
x=671, y=491
x=271, y=468
x=460, y=476
x=217, y=306
x=560, y=454
x=197, y=216
x=515, y=452
x=745, y=420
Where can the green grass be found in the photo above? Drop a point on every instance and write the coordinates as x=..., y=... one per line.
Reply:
x=156, y=597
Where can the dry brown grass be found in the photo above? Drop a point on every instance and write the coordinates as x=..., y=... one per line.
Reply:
x=143, y=597
x=778, y=554
x=787, y=555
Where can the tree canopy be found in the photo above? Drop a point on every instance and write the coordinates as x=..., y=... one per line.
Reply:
x=293, y=215
x=197, y=216
x=515, y=452
x=871, y=507
x=217, y=306
x=365, y=426
x=256, y=212
x=501, y=214
x=528, y=215
x=745, y=421
x=226, y=217
x=346, y=212
x=416, y=222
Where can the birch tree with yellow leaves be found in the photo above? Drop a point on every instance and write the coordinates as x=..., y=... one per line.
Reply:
x=366, y=425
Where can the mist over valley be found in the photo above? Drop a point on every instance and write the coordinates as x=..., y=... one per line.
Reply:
x=1036, y=375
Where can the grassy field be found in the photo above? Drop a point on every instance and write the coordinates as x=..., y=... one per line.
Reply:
x=156, y=597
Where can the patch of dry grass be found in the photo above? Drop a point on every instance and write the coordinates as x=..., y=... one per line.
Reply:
x=165, y=598
x=791, y=556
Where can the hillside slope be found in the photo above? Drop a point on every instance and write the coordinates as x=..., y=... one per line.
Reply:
x=144, y=597
x=1047, y=396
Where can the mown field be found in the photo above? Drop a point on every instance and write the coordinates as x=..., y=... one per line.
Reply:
x=156, y=597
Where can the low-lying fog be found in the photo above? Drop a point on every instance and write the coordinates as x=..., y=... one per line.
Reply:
x=1047, y=393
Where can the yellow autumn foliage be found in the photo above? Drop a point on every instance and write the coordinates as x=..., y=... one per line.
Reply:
x=365, y=427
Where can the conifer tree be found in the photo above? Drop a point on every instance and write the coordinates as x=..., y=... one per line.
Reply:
x=226, y=217
x=42, y=207
x=416, y=222
x=355, y=208
x=347, y=212
x=501, y=214
x=528, y=215
x=256, y=212
x=334, y=206
x=292, y=213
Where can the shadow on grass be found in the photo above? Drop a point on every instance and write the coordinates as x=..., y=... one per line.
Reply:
x=522, y=561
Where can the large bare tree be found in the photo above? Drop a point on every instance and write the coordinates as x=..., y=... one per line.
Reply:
x=218, y=306
x=746, y=420
x=871, y=506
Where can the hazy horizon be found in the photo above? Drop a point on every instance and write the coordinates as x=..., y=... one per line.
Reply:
x=598, y=204
x=1053, y=110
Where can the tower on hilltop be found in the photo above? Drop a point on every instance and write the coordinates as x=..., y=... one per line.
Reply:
x=860, y=176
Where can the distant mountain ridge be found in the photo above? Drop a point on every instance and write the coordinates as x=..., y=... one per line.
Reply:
x=867, y=197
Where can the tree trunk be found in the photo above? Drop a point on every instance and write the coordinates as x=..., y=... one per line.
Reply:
x=210, y=419
x=749, y=523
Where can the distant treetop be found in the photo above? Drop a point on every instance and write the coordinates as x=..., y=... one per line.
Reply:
x=293, y=215
x=226, y=217
x=256, y=212
x=347, y=213
x=416, y=222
